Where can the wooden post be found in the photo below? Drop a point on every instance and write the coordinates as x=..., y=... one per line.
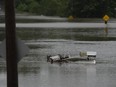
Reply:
x=11, y=49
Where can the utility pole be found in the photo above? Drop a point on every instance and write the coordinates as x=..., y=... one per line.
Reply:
x=11, y=49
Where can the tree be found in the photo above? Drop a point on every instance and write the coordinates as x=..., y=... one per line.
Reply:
x=45, y=7
x=92, y=8
x=77, y=8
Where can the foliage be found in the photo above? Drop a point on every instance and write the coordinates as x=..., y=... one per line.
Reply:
x=22, y=7
x=92, y=8
x=77, y=8
x=44, y=7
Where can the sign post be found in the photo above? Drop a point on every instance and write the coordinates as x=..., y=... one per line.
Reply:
x=106, y=18
x=11, y=50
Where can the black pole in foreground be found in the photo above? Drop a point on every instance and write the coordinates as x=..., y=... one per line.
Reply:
x=11, y=50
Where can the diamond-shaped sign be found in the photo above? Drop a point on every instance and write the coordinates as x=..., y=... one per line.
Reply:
x=106, y=18
x=22, y=49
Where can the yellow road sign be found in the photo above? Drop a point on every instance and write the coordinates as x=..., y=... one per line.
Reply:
x=70, y=18
x=106, y=18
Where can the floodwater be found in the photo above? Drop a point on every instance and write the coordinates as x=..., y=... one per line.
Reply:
x=35, y=71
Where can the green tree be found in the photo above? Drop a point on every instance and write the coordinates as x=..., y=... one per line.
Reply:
x=45, y=7
x=77, y=8
x=91, y=8
x=49, y=7
x=22, y=7
x=33, y=7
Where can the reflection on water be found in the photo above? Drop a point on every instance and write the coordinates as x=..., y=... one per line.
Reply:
x=72, y=74
x=3, y=79
x=65, y=75
x=91, y=76
x=73, y=34
x=34, y=71
x=69, y=75
x=92, y=34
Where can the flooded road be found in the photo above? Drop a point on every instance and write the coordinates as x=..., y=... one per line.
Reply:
x=35, y=71
x=102, y=74
x=62, y=25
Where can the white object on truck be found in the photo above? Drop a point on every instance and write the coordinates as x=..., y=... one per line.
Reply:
x=91, y=54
